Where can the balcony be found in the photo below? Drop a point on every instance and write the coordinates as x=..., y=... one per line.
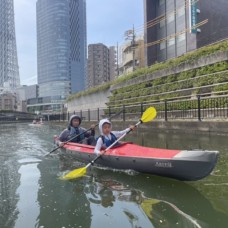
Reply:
x=127, y=58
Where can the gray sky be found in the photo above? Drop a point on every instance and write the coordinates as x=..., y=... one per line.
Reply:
x=107, y=20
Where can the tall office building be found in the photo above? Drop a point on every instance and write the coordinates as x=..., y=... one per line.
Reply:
x=61, y=48
x=112, y=62
x=101, y=64
x=9, y=70
x=174, y=27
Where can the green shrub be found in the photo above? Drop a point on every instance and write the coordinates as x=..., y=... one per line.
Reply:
x=152, y=88
x=219, y=88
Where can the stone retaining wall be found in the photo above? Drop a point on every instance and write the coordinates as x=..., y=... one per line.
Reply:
x=100, y=98
x=211, y=59
x=91, y=101
x=194, y=127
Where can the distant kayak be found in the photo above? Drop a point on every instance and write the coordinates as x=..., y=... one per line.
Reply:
x=178, y=164
x=36, y=124
x=36, y=121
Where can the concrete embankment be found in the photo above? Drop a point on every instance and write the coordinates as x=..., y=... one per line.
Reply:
x=194, y=127
x=102, y=98
x=191, y=126
x=90, y=101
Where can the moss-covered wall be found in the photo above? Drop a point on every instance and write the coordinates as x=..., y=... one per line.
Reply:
x=203, y=80
x=203, y=71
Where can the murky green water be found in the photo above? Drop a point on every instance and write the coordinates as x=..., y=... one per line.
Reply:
x=32, y=196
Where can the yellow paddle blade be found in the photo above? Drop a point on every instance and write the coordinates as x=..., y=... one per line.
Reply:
x=74, y=174
x=147, y=206
x=149, y=115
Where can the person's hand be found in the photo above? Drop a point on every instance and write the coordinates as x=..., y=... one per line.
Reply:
x=61, y=144
x=92, y=126
x=100, y=152
x=132, y=127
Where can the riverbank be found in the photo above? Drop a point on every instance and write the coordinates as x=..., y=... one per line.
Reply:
x=195, y=127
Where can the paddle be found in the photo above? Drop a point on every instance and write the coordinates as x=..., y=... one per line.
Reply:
x=147, y=116
x=81, y=134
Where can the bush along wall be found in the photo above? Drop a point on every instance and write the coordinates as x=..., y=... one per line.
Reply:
x=207, y=79
x=187, y=58
x=203, y=80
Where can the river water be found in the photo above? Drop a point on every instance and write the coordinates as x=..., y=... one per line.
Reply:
x=31, y=195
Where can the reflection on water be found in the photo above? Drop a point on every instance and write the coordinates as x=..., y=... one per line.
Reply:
x=164, y=202
x=31, y=195
x=62, y=203
x=111, y=204
x=27, y=191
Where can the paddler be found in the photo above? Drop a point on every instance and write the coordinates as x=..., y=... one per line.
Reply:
x=108, y=137
x=73, y=129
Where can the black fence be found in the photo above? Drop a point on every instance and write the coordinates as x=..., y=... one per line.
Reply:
x=10, y=116
x=199, y=108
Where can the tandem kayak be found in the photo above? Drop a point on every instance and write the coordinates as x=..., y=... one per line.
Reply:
x=178, y=164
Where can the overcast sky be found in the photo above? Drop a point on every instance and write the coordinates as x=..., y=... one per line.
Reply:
x=107, y=20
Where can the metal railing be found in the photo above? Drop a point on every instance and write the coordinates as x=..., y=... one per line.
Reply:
x=9, y=116
x=199, y=108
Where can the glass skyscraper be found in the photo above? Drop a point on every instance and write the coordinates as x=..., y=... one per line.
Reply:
x=175, y=27
x=9, y=70
x=61, y=48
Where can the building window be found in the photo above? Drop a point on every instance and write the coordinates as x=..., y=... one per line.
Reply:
x=171, y=42
x=161, y=2
x=162, y=45
x=170, y=17
x=181, y=11
x=181, y=37
x=162, y=22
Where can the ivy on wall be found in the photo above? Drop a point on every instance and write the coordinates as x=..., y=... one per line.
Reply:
x=188, y=80
x=155, y=89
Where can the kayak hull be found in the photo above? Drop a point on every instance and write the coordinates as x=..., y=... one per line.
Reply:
x=178, y=164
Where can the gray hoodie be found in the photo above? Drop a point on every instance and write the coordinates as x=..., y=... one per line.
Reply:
x=70, y=132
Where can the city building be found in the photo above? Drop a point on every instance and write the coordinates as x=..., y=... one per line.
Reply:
x=9, y=70
x=61, y=50
x=132, y=58
x=101, y=64
x=31, y=91
x=175, y=27
x=112, y=62
x=21, y=98
x=24, y=96
x=8, y=101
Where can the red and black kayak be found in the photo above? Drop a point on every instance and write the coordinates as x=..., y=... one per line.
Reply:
x=178, y=164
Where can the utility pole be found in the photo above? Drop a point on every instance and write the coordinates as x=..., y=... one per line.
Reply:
x=130, y=35
x=117, y=59
x=133, y=47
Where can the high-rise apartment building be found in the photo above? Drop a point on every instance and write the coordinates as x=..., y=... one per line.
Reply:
x=101, y=64
x=61, y=48
x=112, y=62
x=174, y=27
x=9, y=70
x=132, y=57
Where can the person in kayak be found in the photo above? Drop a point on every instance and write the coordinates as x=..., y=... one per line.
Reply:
x=107, y=136
x=75, y=129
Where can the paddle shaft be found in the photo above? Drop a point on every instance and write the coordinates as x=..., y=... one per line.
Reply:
x=81, y=134
x=147, y=116
x=92, y=162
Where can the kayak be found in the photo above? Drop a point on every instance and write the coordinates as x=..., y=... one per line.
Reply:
x=186, y=165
